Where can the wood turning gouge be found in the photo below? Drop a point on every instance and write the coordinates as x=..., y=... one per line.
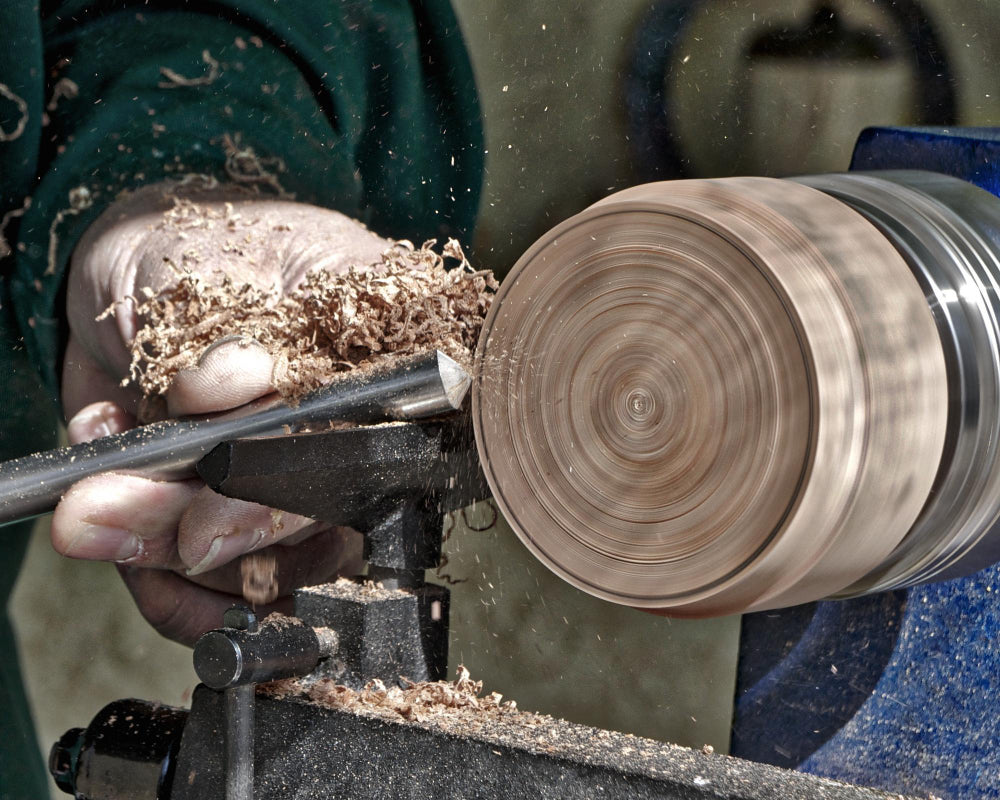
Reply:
x=417, y=388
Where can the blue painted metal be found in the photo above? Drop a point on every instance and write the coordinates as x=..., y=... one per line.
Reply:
x=972, y=154
x=931, y=725
x=826, y=660
x=898, y=692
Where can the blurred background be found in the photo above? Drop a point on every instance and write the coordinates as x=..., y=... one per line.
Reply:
x=582, y=99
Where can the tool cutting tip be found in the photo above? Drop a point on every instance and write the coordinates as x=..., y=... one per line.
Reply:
x=455, y=380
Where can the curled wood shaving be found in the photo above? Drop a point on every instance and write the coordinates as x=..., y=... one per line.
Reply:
x=245, y=168
x=22, y=122
x=5, y=248
x=175, y=80
x=80, y=199
x=406, y=303
x=64, y=88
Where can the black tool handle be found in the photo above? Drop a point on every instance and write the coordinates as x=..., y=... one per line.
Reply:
x=426, y=386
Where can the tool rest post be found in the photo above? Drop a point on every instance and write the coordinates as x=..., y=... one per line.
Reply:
x=390, y=623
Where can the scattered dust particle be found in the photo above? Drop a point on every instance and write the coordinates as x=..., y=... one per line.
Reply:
x=259, y=572
x=175, y=80
x=405, y=304
x=22, y=107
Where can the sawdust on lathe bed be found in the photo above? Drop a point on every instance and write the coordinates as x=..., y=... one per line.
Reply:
x=406, y=303
x=416, y=701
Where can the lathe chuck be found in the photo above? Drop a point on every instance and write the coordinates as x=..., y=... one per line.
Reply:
x=704, y=397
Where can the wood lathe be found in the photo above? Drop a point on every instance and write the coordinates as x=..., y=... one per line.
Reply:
x=695, y=398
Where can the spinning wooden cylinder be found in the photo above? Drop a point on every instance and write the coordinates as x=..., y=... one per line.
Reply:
x=712, y=396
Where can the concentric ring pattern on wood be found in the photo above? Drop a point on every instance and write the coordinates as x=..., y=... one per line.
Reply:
x=702, y=397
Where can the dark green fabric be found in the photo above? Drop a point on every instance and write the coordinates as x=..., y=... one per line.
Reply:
x=27, y=422
x=370, y=105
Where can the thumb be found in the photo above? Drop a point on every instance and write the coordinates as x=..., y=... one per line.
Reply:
x=230, y=373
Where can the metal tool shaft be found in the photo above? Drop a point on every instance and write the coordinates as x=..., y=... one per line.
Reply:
x=239, y=703
x=422, y=387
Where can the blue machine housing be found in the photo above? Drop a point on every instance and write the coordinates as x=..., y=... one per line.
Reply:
x=898, y=690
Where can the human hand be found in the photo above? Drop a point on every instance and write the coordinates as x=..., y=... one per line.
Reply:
x=177, y=543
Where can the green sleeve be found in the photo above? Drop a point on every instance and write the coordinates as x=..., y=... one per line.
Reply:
x=27, y=416
x=28, y=423
x=368, y=107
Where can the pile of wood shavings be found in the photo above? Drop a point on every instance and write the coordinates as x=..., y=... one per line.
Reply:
x=356, y=590
x=404, y=304
x=413, y=701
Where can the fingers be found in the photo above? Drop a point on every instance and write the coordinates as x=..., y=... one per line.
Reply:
x=85, y=382
x=142, y=522
x=122, y=518
x=214, y=530
x=231, y=372
x=98, y=420
x=178, y=608
x=320, y=238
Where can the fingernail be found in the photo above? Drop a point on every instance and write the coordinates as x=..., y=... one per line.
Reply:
x=225, y=548
x=93, y=422
x=241, y=339
x=102, y=543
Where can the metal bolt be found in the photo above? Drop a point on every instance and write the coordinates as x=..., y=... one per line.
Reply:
x=241, y=618
x=63, y=757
